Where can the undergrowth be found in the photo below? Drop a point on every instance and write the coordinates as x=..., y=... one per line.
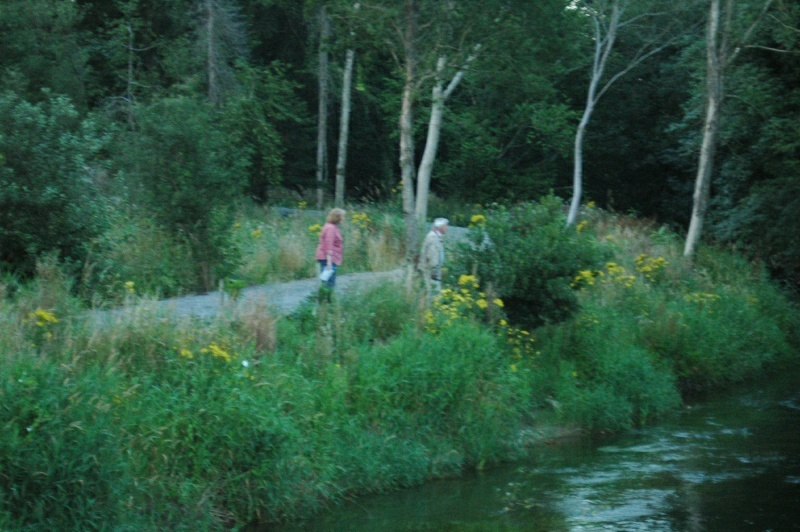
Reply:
x=142, y=421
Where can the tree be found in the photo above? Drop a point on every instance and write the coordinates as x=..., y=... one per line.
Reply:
x=720, y=53
x=221, y=39
x=48, y=197
x=438, y=100
x=42, y=46
x=607, y=19
x=322, y=115
x=344, y=127
x=344, y=120
x=192, y=172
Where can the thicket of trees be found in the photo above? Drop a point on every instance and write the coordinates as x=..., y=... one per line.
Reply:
x=180, y=107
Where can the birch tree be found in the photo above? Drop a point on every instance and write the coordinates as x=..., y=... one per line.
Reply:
x=322, y=114
x=344, y=127
x=344, y=120
x=439, y=97
x=607, y=19
x=720, y=53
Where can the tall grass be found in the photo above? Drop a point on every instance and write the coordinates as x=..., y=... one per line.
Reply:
x=136, y=255
x=653, y=327
x=279, y=247
x=143, y=421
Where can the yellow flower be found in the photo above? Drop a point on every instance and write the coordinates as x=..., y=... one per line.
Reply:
x=513, y=367
x=498, y=302
x=482, y=303
x=465, y=280
x=257, y=233
x=302, y=204
x=42, y=317
x=130, y=287
x=186, y=354
x=218, y=352
x=315, y=229
x=477, y=220
x=581, y=226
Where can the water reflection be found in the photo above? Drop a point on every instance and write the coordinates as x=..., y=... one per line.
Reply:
x=730, y=463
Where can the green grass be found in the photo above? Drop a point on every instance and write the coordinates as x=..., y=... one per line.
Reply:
x=154, y=423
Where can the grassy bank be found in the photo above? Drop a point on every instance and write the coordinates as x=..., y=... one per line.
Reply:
x=148, y=423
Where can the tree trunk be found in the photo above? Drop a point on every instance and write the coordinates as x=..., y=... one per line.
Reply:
x=344, y=128
x=431, y=145
x=438, y=100
x=602, y=50
x=714, y=88
x=129, y=97
x=322, y=118
x=212, y=58
x=407, y=138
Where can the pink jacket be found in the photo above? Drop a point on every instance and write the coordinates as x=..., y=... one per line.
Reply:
x=330, y=241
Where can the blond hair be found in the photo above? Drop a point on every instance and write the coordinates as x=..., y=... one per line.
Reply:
x=335, y=216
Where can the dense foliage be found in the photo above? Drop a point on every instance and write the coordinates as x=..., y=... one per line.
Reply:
x=242, y=76
x=139, y=423
x=528, y=256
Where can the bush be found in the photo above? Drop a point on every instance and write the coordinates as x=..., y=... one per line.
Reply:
x=137, y=256
x=610, y=381
x=192, y=174
x=48, y=200
x=529, y=256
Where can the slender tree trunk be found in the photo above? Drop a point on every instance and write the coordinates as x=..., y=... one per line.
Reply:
x=602, y=50
x=438, y=100
x=407, y=139
x=129, y=92
x=714, y=92
x=322, y=118
x=577, y=168
x=344, y=128
x=212, y=55
x=431, y=145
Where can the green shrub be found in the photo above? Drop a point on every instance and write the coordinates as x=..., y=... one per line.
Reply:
x=609, y=382
x=529, y=257
x=60, y=452
x=192, y=174
x=48, y=199
x=137, y=256
x=457, y=382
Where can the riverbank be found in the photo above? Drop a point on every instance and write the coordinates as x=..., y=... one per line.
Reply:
x=730, y=461
x=163, y=421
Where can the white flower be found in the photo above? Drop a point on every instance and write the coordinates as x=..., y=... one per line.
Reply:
x=245, y=363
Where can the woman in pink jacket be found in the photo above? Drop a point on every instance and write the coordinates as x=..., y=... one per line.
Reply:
x=329, y=250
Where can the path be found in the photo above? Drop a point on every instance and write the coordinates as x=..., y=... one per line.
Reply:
x=284, y=298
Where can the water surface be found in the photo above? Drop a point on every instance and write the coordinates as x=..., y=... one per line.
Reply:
x=731, y=462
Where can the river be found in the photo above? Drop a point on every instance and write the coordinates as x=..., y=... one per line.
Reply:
x=730, y=462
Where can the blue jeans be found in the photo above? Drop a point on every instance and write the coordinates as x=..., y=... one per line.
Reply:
x=332, y=281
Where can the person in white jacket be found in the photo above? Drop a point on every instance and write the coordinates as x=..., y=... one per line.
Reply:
x=431, y=257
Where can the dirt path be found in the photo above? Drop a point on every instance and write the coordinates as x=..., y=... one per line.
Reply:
x=283, y=298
